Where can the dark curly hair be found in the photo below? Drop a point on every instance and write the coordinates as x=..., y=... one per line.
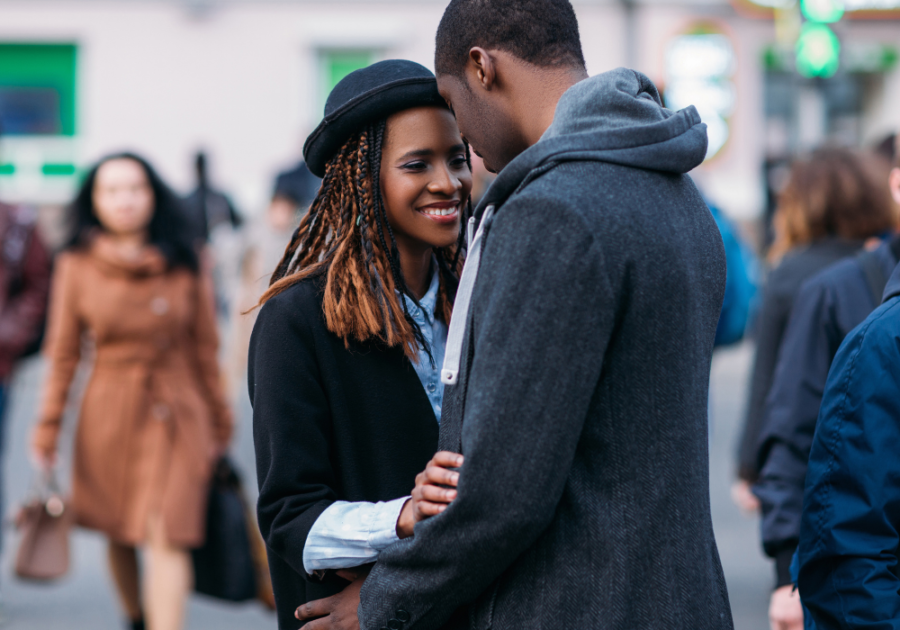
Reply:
x=542, y=32
x=168, y=228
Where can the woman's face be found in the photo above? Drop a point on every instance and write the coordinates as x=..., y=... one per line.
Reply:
x=425, y=181
x=123, y=198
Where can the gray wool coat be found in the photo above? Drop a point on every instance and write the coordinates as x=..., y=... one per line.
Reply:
x=581, y=406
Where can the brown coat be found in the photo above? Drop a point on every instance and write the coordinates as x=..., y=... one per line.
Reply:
x=154, y=409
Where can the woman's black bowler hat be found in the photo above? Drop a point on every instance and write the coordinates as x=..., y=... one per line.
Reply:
x=366, y=96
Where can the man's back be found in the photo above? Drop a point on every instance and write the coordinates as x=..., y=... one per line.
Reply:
x=633, y=522
x=581, y=401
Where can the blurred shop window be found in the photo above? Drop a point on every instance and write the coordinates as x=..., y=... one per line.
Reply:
x=700, y=66
x=38, y=123
x=336, y=64
x=37, y=89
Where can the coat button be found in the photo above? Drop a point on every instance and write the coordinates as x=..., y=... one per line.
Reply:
x=394, y=624
x=160, y=412
x=159, y=305
x=402, y=615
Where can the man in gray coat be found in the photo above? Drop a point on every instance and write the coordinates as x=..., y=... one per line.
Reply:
x=579, y=353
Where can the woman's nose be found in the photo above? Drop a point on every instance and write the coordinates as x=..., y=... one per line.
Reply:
x=445, y=182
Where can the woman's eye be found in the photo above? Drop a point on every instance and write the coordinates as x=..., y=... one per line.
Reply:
x=458, y=162
x=415, y=166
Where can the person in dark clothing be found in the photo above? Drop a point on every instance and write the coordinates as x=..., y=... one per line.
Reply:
x=207, y=208
x=828, y=306
x=345, y=354
x=833, y=201
x=298, y=186
x=848, y=548
x=578, y=357
x=24, y=287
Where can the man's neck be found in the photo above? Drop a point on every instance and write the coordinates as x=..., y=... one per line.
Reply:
x=541, y=94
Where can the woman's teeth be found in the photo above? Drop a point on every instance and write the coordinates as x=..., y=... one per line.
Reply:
x=439, y=212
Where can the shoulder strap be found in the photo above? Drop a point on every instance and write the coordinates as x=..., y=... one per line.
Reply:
x=874, y=273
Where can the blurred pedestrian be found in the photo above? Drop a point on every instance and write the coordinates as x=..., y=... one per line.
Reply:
x=827, y=307
x=850, y=528
x=833, y=201
x=266, y=240
x=742, y=276
x=207, y=208
x=345, y=356
x=24, y=284
x=215, y=228
x=153, y=418
x=294, y=191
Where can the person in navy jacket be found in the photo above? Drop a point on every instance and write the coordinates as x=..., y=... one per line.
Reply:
x=850, y=526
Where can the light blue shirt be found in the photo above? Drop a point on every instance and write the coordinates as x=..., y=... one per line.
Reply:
x=350, y=534
x=435, y=333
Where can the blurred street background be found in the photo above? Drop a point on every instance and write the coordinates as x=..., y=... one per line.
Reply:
x=244, y=81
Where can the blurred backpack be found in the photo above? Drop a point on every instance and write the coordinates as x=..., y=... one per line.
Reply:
x=741, y=283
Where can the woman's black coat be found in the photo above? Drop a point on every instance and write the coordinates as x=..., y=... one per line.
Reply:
x=329, y=423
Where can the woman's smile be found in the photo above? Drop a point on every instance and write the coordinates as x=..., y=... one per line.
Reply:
x=443, y=212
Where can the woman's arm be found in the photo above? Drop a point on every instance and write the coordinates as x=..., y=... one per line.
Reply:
x=292, y=427
x=348, y=535
x=62, y=348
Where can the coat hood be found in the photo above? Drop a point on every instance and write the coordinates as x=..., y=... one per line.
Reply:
x=893, y=285
x=614, y=117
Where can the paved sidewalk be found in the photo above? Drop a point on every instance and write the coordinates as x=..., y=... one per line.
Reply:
x=84, y=600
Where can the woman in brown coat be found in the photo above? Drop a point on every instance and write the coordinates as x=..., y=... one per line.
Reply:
x=153, y=418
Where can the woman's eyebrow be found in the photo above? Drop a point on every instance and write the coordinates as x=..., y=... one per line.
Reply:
x=417, y=153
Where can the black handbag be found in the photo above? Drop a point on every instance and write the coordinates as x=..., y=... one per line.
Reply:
x=225, y=566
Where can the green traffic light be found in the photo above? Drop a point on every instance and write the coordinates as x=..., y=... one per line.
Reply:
x=818, y=51
x=822, y=11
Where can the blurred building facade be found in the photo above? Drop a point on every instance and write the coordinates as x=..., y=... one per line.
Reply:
x=246, y=81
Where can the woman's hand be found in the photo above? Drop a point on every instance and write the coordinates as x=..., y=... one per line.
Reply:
x=434, y=491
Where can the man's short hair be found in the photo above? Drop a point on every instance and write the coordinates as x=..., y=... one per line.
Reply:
x=541, y=32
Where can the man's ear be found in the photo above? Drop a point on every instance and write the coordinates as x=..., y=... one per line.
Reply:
x=482, y=65
x=895, y=185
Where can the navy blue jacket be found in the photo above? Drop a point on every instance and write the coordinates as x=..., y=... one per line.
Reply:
x=828, y=306
x=848, y=553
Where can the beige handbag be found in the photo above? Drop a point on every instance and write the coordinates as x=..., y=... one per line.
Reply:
x=43, y=524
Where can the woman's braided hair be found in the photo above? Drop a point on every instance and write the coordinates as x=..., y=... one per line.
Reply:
x=346, y=236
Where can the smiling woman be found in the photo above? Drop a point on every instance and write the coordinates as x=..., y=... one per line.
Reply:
x=346, y=352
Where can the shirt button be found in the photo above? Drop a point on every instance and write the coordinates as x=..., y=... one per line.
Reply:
x=432, y=386
x=160, y=412
x=159, y=305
